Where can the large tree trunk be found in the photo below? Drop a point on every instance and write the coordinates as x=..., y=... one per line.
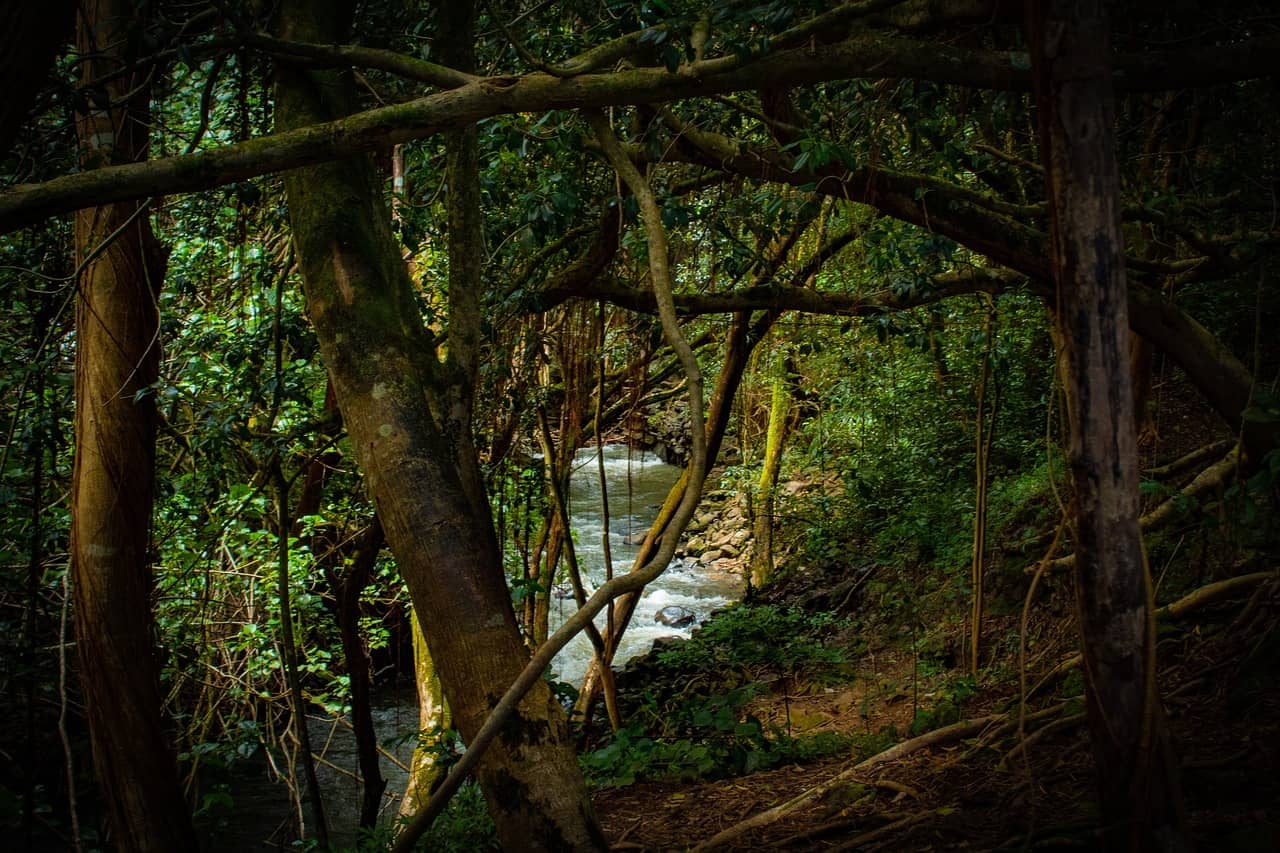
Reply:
x=402, y=409
x=1070, y=49
x=117, y=360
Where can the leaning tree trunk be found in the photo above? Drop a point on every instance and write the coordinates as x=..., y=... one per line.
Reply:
x=117, y=361
x=1070, y=48
x=402, y=408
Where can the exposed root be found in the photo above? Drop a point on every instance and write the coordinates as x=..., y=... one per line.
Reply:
x=1040, y=734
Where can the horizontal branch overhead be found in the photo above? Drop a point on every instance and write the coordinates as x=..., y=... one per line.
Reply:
x=870, y=56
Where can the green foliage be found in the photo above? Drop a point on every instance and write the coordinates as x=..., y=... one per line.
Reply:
x=699, y=738
x=947, y=709
x=463, y=827
x=690, y=735
x=748, y=636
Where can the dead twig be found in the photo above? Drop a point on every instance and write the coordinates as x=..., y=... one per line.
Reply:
x=1043, y=732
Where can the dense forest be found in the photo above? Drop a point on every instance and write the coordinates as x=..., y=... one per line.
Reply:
x=382, y=378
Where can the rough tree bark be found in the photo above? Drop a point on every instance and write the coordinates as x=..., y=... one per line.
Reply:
x=117, y=360
x=403, y=409
x=1136, y=784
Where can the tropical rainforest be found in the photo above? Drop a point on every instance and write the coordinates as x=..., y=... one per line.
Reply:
x=330, y=324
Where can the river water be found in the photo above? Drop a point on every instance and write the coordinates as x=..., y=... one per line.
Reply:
x=637, y=483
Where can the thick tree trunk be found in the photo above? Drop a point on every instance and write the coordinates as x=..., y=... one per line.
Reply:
x=401, y=412
x=1070, y=49
x=117, y=360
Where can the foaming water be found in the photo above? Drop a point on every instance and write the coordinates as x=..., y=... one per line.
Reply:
x=637, y=483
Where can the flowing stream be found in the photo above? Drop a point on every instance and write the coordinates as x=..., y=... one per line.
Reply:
x=637, y=483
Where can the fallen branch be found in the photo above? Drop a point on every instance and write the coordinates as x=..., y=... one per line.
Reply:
x=946, y=734
x=1203, y=597
x=1191, y=460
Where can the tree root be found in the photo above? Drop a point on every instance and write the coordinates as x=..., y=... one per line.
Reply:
x=995, y=726
x=1205, y=596
x=1212, y=594
x=1193, y=459
x=1045, y=731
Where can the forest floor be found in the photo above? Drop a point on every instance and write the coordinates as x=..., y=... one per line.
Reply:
x=985, y=786
x=1220, y=692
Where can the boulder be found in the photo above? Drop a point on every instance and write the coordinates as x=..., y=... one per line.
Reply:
x=708, y=556
x=675, y=617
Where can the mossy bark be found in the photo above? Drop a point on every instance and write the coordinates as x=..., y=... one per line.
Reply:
x=433, y=717
x=775, y=439
x=400, y=405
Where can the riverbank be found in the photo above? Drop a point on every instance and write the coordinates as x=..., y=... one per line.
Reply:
x=835, y=711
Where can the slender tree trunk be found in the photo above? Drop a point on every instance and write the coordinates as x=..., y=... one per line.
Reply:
x=348, y=584
x=289, y=658
x=407, y=415
x=983, y=434
x=775, y=442
x=117, y=360
x=433, y=718
x=1136, y=786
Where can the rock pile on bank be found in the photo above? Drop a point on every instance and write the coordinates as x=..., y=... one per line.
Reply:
x=719, y=538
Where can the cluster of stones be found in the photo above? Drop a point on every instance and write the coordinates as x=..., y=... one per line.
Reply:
x=719, y=536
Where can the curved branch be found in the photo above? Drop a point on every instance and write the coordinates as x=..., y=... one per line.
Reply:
x=358, y=56
x=866, y=56
x=791, y=298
